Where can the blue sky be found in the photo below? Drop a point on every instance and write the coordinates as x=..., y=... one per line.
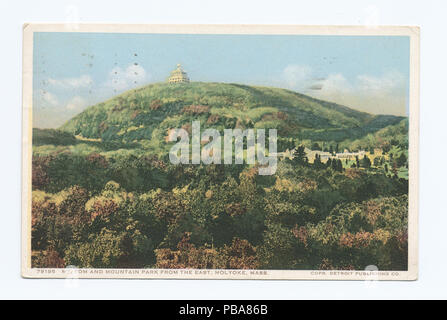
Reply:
x=75, y=70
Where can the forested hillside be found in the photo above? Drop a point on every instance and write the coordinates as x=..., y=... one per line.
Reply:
x=106, y=195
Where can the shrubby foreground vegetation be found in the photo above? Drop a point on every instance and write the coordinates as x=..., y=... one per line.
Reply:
x=109, y=198
x=214, y=216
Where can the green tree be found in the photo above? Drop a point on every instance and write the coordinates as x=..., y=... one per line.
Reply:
x=366, y=162
x=376, y=161
x=300, y=155
x=401, y=160
x=339, y=165
x=317, y=162
x=334, y=165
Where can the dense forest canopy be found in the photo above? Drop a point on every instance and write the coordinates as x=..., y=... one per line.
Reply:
x=106, y=195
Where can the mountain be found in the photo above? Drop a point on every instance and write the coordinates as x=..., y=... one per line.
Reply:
x=147, y=113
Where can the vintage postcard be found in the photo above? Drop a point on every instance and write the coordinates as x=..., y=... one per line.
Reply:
x=220, y=152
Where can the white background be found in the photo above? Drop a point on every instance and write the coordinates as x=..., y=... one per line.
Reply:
x=428, y=14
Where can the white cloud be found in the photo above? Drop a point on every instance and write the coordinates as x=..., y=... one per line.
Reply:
x=334, y=84
x=80, y=82
x=121, y=79
x=297, y=76
x=76, y=104
x=48, y=99
x=386, y=83
x=54, y=115
x=385, y=94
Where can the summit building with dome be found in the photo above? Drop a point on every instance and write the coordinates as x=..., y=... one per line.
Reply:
x=178, y=75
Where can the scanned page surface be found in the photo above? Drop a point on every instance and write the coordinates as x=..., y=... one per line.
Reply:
x=220, y=152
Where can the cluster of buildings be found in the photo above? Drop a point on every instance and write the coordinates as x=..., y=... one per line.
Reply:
x=324, y=155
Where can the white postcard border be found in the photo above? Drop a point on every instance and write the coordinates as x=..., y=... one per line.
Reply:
x=411, y=274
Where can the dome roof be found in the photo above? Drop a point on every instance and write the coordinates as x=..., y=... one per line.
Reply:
x=178, y=75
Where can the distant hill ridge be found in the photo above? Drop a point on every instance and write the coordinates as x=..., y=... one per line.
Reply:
x=148, y=112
